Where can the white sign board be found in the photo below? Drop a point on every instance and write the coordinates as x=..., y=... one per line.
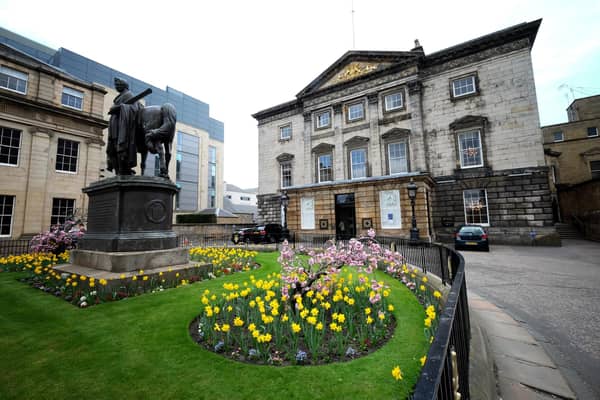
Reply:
x=389, y=204
x=307, y=213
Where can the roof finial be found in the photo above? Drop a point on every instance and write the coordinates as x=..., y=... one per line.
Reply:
x=418, y=46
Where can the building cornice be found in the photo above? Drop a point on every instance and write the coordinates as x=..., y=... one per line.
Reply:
x=25, y=60
x=65, y=112
x=365, y=181
x=293, y=105
x=526, y=30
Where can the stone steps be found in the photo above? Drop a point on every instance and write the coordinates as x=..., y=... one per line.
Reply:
x=567, y=231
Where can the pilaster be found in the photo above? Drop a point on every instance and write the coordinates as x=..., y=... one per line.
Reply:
x=418, y=150
x=36, y=193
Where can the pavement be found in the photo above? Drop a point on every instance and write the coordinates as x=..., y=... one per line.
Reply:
x=552, y=294
x=507, y=362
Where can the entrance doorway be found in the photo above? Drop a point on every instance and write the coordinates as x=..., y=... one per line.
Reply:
x=345, y=221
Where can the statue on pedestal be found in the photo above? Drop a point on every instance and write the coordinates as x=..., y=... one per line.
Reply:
x=134, y=129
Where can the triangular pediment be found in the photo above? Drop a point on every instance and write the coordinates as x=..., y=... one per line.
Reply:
x=356, y=65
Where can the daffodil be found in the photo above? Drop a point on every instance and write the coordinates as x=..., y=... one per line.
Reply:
x=397, y=373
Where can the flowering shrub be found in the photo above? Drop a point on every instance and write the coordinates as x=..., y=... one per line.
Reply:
x=56, y=241
x=300, y=275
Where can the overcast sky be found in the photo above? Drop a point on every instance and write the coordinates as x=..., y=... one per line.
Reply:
x=241, y=57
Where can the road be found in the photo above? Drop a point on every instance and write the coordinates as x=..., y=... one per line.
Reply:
x=555, y=292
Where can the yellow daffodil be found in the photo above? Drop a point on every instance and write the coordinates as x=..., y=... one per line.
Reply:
x=296, y=328
x=397, y=373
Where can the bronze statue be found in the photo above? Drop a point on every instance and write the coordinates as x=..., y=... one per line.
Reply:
x=158, y=125
x=134, y=129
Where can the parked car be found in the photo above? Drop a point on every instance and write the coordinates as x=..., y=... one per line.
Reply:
x=471, y=237
x=242, y=236
x=269, y=233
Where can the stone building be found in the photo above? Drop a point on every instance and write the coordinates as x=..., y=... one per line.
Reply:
x=462, y=123
x=197, y=165
x=241, y=202
x=51, y=143
x=572, y=152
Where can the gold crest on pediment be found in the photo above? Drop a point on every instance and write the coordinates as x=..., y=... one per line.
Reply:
x=353, y=70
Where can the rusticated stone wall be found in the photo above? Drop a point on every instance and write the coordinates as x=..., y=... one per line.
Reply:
x=518, y=202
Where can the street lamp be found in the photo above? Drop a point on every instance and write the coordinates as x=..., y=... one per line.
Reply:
x=285, y=200
x=412, y=195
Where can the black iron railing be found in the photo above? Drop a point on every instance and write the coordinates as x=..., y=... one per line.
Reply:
x=14, y=247
x=446, y=371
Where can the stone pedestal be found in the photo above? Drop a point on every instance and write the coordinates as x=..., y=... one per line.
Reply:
x=131, y=260
x=129, y=226
x=130, y=213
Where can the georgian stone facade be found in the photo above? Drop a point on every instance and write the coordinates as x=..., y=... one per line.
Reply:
x=462, y=123
x=572, y=152
x=51, y=143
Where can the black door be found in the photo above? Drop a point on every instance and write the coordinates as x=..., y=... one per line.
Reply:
x=345, y=221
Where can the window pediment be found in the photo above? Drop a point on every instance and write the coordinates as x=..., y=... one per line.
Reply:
x=396, y=133
x=469, y=121
x=283, y=157
x=323, y=148
x=594, y=151
x=356, y=141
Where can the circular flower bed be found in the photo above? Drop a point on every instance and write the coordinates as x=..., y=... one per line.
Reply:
x=324, y=306
x=345, y=317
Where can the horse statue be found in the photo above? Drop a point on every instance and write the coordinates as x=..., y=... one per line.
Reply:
x=134, y=128
x=157, y=125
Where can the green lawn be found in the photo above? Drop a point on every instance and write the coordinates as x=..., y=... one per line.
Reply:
x=140, y=348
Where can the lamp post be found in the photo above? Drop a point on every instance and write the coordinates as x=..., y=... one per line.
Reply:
x=412, y=195
x=285, y=200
